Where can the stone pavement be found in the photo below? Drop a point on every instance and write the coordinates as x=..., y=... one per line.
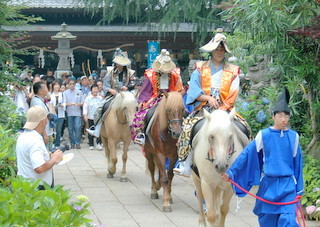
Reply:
x=115, y=203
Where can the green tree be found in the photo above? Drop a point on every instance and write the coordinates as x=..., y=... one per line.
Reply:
x=288, y=33
x=159, y=15
x=10, y=15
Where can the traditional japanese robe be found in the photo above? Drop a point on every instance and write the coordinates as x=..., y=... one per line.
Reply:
x=224, y=81
x=273, y=160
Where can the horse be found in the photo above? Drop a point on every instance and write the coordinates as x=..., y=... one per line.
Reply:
x=115, y=129
x=216, y=146
x=161, y=138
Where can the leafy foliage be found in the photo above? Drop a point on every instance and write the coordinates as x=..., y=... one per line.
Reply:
x=9, y=118
x=286, y=33
x=22, y=204
x=10, y=15
x=311, y=171
x=8, y=166
x=160, y=15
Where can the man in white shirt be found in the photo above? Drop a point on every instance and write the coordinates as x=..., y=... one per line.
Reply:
x=33, y=160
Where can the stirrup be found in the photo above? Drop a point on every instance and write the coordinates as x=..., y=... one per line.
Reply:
x=140, y=138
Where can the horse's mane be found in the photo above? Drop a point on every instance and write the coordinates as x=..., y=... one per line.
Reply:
x=171, y=103
x=123, y=99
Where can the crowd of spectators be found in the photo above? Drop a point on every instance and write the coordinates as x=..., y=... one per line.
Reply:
x=70, y=103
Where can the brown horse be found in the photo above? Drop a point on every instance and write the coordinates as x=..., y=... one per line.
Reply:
x=161, y=144
x=115, y=129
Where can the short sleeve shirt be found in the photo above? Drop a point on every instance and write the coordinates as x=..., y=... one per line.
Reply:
x=31, y=154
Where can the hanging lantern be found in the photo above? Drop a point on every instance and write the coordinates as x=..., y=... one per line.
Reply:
x=99, y=59
x=41, y=59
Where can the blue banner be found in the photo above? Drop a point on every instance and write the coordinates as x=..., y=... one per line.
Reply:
x=153, y=51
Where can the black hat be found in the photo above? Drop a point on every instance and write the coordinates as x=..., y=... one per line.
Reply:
x=282, y=103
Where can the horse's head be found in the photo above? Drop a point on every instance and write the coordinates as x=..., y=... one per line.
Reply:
x=171, y=113
x=220, y=133
x=128, y=106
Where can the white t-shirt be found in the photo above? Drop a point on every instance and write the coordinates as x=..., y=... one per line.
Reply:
x=32, y=153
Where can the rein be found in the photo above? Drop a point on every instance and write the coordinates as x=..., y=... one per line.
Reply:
x=296, y=200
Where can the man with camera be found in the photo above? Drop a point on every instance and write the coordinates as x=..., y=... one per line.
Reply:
x=33, y=159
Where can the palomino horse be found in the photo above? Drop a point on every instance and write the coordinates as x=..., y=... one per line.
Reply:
x=161, y=144
x=216, y=146
x=115, y=129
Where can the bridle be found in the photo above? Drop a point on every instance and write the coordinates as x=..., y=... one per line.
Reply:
x=175, y=120
x=210, y=152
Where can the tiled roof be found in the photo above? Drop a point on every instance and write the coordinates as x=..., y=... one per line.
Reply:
x=48, y=3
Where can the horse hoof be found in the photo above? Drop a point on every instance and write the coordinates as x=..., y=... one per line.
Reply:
x=123, y=179
x=109, y=175
x=155, y=196
x=166, y=209
x=170, y=201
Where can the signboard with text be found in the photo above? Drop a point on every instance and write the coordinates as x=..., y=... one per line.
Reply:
x=153, y=51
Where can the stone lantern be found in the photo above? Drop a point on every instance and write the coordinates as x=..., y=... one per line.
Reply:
x=64, y=51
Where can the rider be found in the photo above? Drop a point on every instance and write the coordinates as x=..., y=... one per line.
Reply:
x=117, y=79
x=162, y=76
x=214, y=84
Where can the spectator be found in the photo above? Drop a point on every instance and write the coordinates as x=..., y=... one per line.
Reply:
x=56, y=101
x=49, y=75
x=89, y=107
x=40, y=93
x=33, y=160
x=100, y=86
x=85, y=87
x=73, y=101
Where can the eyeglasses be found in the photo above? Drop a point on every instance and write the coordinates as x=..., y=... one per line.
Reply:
x=71, y=83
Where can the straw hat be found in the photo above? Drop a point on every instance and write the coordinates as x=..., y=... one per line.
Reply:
x=121, y=58
x=163, y=62
x=34, y=115
x=215, y=42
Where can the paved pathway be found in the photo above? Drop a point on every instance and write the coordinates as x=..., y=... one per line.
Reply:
x=114, y=203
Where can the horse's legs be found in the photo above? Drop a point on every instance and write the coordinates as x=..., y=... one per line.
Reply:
x=197, y=183
x=151, y=166
x=170, y=176
x=227, y=195
x=161, y=161
x=124, y=161
x=112, y=161
x=211, y=202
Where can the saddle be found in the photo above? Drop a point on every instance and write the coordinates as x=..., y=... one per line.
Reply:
x=102, y=108
x=198, y=125
x=149, y=115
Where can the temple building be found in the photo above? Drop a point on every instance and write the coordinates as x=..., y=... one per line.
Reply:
x=95, y=44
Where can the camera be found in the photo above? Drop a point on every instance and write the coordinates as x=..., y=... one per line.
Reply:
x=63, y=147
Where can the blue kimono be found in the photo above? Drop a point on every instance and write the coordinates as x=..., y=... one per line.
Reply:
x=273, y=160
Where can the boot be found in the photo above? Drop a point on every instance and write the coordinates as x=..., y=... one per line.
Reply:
x=95, y=131
x=184, y=168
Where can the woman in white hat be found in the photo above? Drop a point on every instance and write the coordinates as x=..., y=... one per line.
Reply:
x=163, y=75
x=214, y=83
x=119, y=77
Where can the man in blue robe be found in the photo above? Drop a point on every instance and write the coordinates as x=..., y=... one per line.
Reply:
x=273, y=160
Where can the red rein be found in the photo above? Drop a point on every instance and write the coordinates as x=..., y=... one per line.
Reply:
x=296, y=200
